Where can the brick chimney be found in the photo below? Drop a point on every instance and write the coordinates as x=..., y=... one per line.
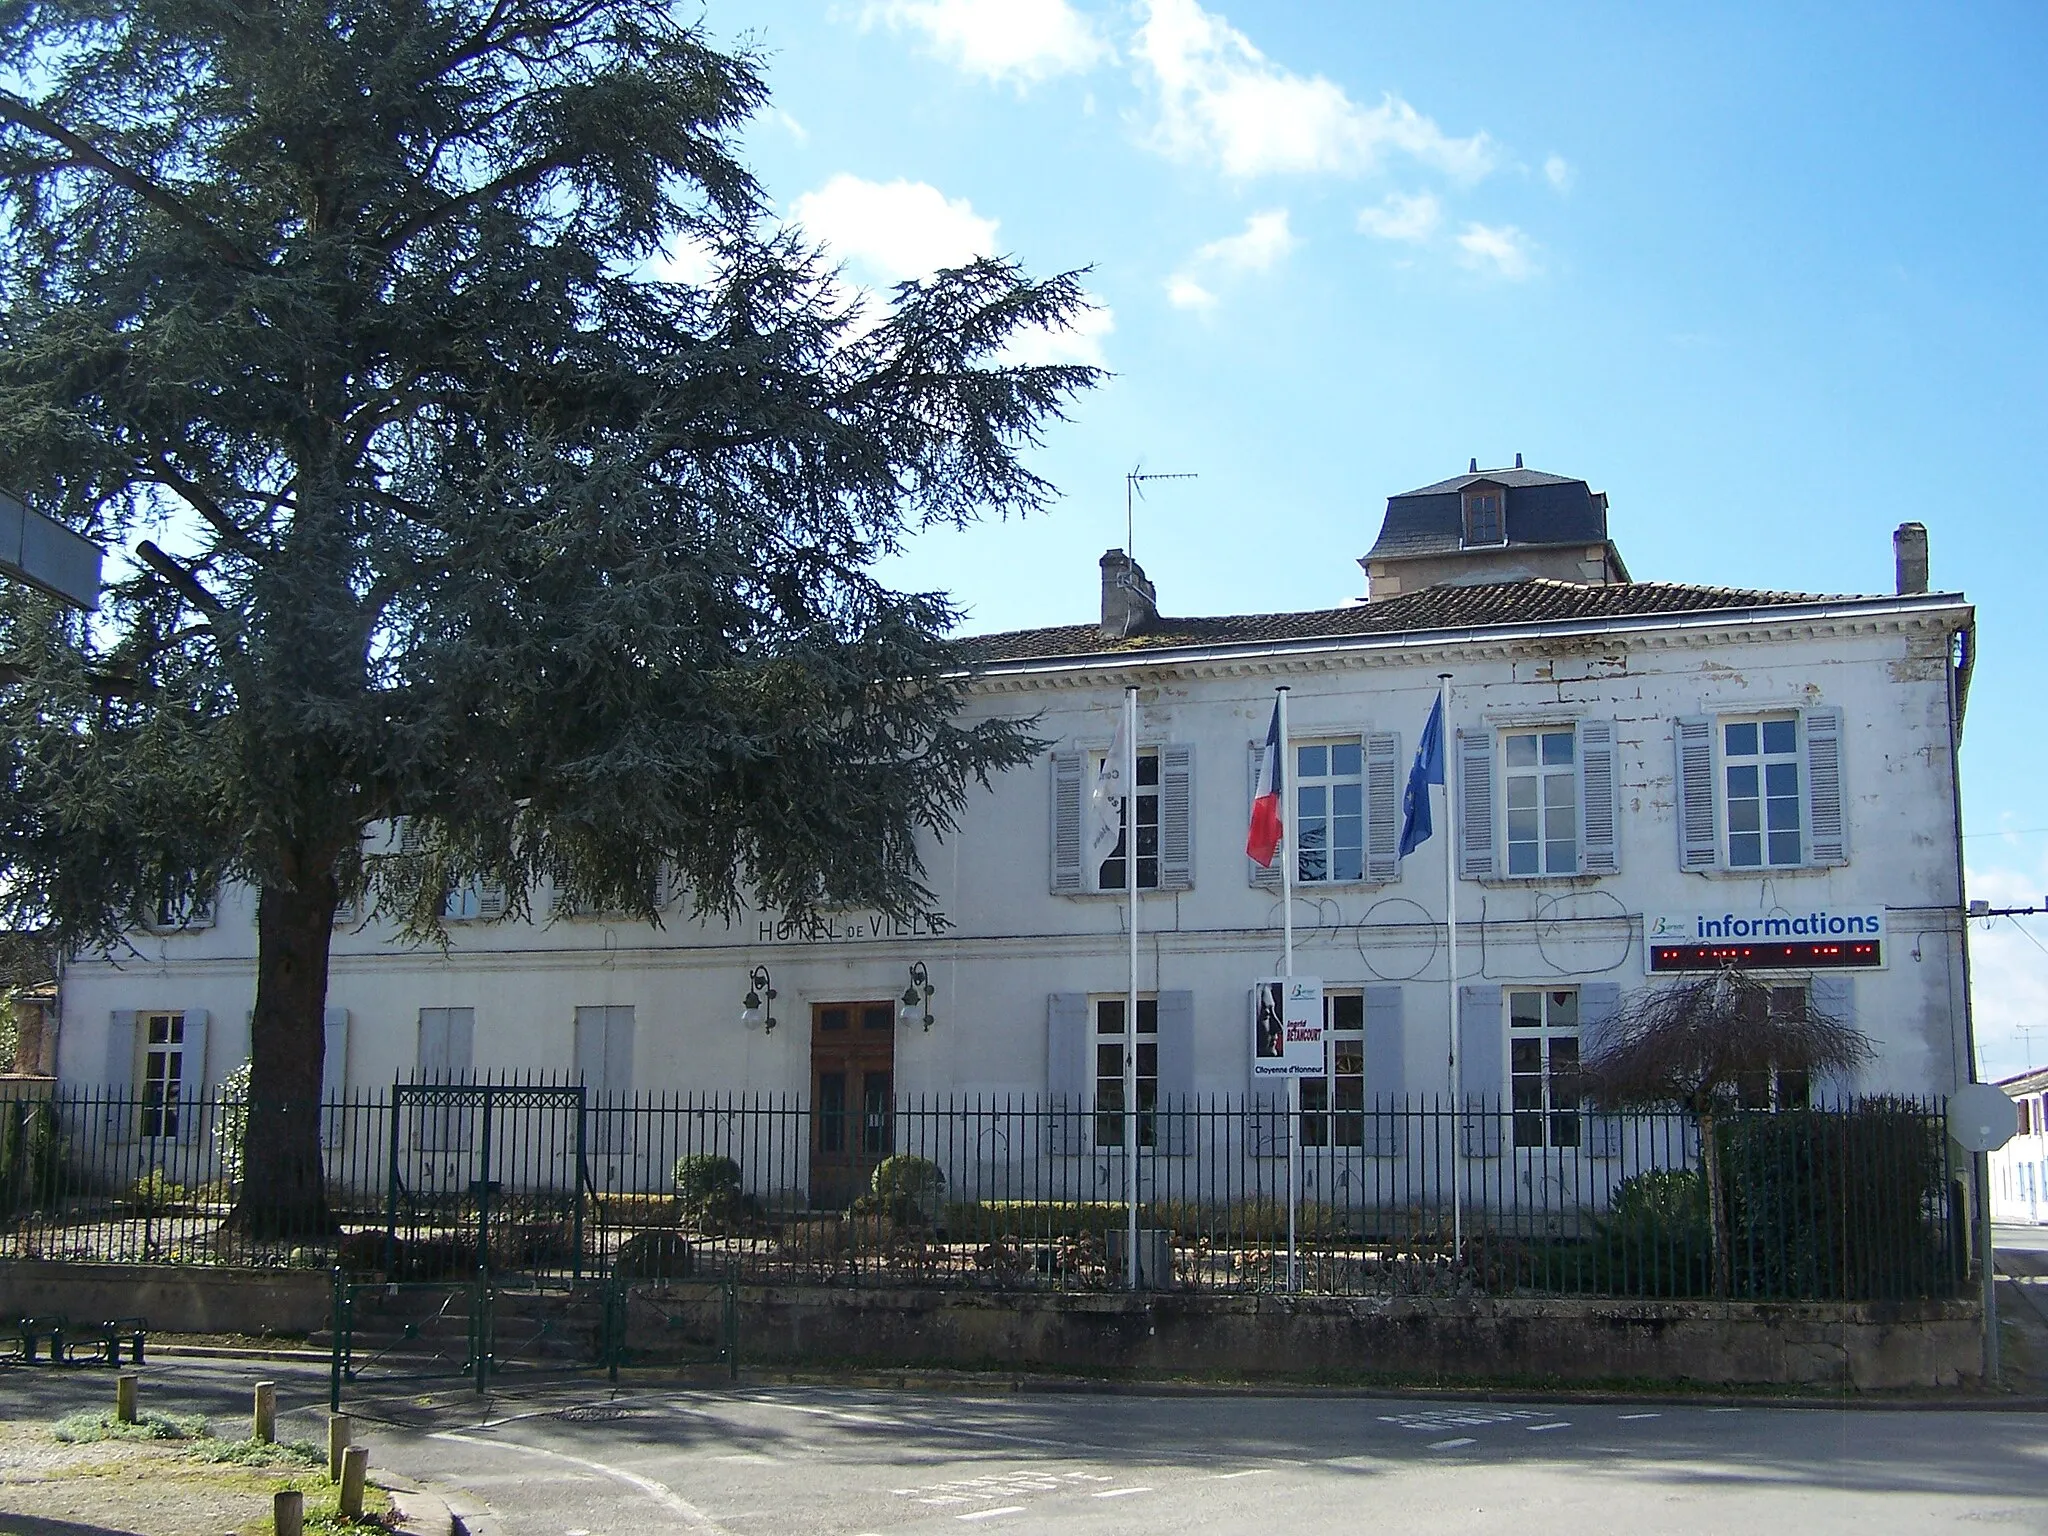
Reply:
x=1909, y=556
x=1129, y=605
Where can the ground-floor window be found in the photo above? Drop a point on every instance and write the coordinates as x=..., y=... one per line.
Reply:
x=1543, y=1066
x=1111, y=1040
x=1333, y=1105
x=163, y=1072
x=1775, y=1088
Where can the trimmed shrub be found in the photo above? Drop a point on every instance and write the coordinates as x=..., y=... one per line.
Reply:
x=708, y=1191
x=655, y=1255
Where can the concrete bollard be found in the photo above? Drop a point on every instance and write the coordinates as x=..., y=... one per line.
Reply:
x=124, y=1397
x=288, y=1512
x=263, y=1420
x=355, y=1464
x=338, y=1435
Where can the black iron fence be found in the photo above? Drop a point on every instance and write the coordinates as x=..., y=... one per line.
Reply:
x=544, y=1183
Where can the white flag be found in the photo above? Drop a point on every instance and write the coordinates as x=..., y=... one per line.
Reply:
x=1106, y=801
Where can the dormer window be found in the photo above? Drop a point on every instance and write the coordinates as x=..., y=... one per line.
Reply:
x=1485, y=520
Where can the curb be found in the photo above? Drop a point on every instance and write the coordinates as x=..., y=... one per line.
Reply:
x=424, y=1511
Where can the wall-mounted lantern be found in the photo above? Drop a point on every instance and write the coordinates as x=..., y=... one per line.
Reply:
x=917, y=997
x=757, y=1008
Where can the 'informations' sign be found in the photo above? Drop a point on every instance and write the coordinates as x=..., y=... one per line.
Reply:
x=1779, y=940
x=1287, y=1027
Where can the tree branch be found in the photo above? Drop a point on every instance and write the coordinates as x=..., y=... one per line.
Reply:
x=14, y=110
x=214, y=513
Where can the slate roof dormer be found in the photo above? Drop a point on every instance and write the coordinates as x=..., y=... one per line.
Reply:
x=1493, y=525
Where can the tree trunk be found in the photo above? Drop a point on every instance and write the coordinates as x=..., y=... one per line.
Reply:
x=284, y=1190
x=1718, y=1236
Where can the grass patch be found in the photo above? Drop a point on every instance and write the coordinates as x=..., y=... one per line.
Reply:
x=260, y=1453
x=100, y=1424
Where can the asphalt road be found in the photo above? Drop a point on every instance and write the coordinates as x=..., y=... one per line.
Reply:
x=573, y=1461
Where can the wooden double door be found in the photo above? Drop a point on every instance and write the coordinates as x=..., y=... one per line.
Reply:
x=853, y=1097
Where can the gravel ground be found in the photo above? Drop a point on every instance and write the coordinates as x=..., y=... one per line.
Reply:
x=131, y=1488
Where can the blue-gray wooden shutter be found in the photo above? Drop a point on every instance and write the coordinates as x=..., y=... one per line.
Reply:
x=604, y=1064
x=1482, y=1068
x=1827, y=817
x=1599, y=800
x=1386, y=1053
x=1265, y=1099
x=1176, y=818
x=1383, y=806
x=333, y=1075
x=492, y=901
x=1698, y=847
x=1475, y=804
x=1268, y=877
x=1066, y=824
x=1833, y=997
x=1599, y=1009
x=1067, y=1075
x=1176, y=1099
x=123, y=1091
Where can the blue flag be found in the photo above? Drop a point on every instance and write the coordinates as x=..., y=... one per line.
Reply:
x=1428, y=770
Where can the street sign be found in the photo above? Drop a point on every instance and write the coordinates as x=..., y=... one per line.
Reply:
x=1981, y=1117
x=1287, y=1027
x=47, y=555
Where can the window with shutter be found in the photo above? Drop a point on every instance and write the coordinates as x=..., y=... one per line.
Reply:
x=1344, y=823
x=1761, y=791
x=1482, y=1068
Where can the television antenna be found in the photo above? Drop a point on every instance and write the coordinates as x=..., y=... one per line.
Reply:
x=1134, y=488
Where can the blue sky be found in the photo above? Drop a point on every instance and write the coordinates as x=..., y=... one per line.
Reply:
x=1769, y=275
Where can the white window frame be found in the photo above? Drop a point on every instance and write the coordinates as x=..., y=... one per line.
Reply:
x=1541, y=776
x=1482, y=822
x=1558, y=1111
x=1154, y=793
x=160, y=1098
x=1821, y=749
x=1794, y=759
x=1327, y=1120
x=1107, y=1119
x=1780, y=1090
x=1329, y=782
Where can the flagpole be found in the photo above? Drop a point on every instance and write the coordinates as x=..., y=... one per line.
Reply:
x=1443, y=704
x=1281, y=782
x=1130, y=768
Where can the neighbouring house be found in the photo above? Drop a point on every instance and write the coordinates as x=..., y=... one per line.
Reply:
x=2019, y=1169
x=1651, y=775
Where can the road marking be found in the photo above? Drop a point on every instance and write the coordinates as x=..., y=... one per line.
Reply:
x=990, y=1514
x=1724, y=1410
x=1450, y=1445
x=1224, y=1477
x=1537, y=1429
x=1117, y=1493
x=693, y=1517
x=1627, y=1416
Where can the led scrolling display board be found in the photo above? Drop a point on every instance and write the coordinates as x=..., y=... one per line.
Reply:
x=1773, y=940
x=1808, y=955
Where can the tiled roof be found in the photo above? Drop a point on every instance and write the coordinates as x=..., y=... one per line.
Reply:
x=1435, y=608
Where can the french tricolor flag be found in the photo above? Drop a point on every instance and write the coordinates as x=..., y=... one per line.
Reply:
x=1268, y=825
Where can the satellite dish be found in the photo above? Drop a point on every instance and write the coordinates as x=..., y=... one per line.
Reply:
x=1982, y=1118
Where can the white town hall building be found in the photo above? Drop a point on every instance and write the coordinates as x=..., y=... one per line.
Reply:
x=1640, y=765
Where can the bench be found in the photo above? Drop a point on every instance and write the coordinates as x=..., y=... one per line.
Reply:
x=69, y=1342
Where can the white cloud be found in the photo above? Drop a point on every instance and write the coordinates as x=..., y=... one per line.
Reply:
x=1081, y=342
x=894, y=230
x=1559, y=172
x=1402, y=217
x=795, y=129
x=1183, y=292
x=687, y=260
x=1263, y=241
x=1499, y=249
x=1222, y=100
x=1021, y=40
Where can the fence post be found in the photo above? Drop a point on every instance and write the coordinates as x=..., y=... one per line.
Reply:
x=288, y=1512
x=124, y=1397
x=339, y=1433
x=263, y=1413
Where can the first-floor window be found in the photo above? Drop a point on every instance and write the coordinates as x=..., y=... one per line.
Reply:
x=1112, y=875
x=1774, y=1087
x=1329, y=799
x=1760, y=761
x=1543, y=1066
x=1333, y=1105
x=1111, y=1041
x=163, y=1072
x=1542, y=780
